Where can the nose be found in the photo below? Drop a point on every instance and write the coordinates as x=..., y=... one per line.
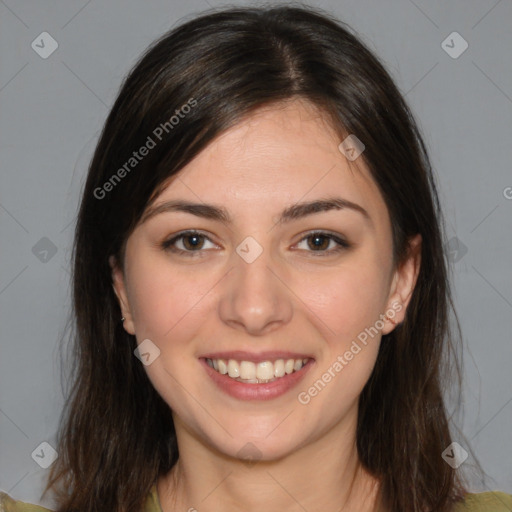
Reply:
x=255, y=298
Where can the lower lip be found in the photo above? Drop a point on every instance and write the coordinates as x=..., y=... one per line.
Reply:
x=267, y=391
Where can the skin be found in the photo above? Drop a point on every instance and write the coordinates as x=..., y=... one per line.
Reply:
x=290, y=298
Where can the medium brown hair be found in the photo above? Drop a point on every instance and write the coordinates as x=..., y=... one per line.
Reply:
x=117, y=435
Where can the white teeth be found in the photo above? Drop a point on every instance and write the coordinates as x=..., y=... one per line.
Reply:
x=297, y=365
x=279, y=368
x=247, y=370
x=254, y=373
x=223, y=367
x=265, y=370
x=233, y=369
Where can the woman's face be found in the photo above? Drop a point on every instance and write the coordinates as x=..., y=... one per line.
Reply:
x=272, y=271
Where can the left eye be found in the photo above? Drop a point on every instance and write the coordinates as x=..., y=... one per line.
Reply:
x=322, y=242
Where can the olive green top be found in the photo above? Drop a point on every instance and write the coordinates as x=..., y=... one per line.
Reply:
x=481, y=502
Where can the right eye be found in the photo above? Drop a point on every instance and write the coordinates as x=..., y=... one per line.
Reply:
x=186, y=242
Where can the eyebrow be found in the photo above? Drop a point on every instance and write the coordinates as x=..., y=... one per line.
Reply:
x=219, y=213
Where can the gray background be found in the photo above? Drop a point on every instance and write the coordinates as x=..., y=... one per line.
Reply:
x=52, y=110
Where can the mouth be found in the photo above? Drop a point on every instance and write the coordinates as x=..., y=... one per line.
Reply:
x=248, y=376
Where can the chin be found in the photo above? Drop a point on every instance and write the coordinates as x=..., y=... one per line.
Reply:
x=256, y=450
x=263, y=442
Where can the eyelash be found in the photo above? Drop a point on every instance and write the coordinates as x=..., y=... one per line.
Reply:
x=342, y=244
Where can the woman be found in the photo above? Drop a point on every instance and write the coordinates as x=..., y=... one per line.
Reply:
x=260, y=288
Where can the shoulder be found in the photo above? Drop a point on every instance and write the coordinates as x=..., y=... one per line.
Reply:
x=152, y=502
x=8, y=504
x=486, y=502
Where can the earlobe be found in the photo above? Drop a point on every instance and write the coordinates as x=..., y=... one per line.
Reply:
x=403, y=284
x=118, y=284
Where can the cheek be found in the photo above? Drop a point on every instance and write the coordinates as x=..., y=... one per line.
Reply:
x=164, y=299
x=346, y=300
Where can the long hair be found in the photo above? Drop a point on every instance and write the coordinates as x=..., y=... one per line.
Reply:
x=117, y=434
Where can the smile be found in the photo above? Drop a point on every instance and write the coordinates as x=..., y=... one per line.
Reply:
x=250, y=372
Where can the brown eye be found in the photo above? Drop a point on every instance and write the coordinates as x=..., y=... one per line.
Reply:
x=188, y=242
x=193, y=241
x=318, y=242
x=323, y=243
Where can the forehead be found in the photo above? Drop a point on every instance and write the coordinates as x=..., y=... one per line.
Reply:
x=275, y=157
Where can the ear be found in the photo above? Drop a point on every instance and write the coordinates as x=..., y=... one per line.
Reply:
x=402, y=285
x=120, y=291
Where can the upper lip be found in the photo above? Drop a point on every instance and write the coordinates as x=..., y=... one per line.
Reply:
x=242, y=355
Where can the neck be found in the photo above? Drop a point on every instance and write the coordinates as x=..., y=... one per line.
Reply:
x=323, y=475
